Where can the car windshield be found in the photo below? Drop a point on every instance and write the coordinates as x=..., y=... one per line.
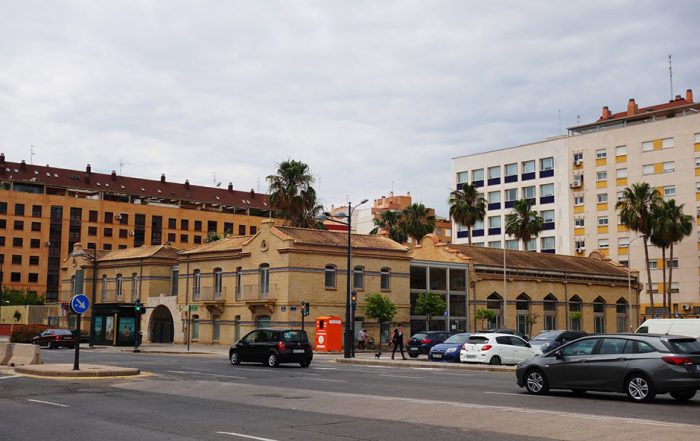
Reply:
x=550, y=335
x=63, y=332
x=419, y=336
x=295, y=336
x=458, y=339
x=477, y=339
x=685, y=346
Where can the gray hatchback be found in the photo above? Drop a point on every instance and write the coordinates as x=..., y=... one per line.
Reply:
x=639, y=365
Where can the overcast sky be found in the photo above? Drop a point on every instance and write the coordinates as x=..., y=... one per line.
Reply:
x=371, y=94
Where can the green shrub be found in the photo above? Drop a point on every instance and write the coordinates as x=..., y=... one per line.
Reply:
x=25, y=333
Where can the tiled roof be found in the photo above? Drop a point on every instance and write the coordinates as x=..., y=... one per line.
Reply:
x=539, y=261
x=153, y=251
x=304, y=236
x=655, y=108
x=144, y=188
x=225, y=244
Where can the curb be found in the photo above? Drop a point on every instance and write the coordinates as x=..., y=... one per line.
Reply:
x=419, y=365
x=90, y=371
x=147, y=351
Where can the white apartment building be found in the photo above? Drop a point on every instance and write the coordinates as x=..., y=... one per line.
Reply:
x=538, y=172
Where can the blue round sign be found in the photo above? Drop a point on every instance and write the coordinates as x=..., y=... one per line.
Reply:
x=79, y=303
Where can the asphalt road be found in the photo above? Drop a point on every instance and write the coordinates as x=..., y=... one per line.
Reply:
x=201, y=397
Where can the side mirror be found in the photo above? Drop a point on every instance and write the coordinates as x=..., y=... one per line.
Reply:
x=528, y=345
x=558, y=355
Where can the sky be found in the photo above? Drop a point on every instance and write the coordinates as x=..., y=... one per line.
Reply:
x=372, y=95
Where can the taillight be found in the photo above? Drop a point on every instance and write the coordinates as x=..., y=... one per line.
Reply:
x=678, y=361
x=58, y=337
x=464, y=346
x=486, y=347
x=280, y=346
x=426, y=341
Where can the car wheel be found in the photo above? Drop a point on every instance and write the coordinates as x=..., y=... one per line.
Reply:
x=413, y=355
x=272, y=360
x=305, y=363
x=683, y=395
x=535, y=382
x=639, y=388
x=50, y=345
x=234, y=358
x=495, y=360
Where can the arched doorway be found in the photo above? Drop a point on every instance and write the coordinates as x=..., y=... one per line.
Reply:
x=161, y=327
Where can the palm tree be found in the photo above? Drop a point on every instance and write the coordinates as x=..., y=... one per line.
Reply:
x=523, y=222
x=418, y=220
x=292, y=194
x=670, y=225
x=635, y=208
x=392, y=222
x=467, y=207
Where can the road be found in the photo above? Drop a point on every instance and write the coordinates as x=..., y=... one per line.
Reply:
x=203, y=397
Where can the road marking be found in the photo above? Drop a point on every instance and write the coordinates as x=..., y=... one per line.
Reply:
x=518, y=395
x=323, y=379
x=246, y=436
x=325, y=368
x=49, y=402
x=399, y=376
x=9, y=376
x=207, y=374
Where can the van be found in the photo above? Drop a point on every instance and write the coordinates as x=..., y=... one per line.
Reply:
x=684, y=327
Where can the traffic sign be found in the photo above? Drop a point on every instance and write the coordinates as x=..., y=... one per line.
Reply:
x=194, y=307
x=446, y=313
x=79, y=303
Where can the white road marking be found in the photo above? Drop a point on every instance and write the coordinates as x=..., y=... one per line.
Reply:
x=325, y=368
x=240, y=435
x=323, y=379
x=9, y=376
x=399, y=376
x=207, y=374
x=49, y=402
x=518, y=395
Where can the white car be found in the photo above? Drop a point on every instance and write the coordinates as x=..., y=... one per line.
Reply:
x=495, y=349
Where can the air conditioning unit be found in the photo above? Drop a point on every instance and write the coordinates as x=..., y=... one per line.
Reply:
x=48, y=243
x=576, y=183
x=580, y=249
x=118, y=217
x=578, y=162
x=686, y=307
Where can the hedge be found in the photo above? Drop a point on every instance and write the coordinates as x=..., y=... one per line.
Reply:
x=25, y=333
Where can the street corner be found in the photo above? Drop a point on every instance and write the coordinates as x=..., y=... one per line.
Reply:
x=86, y=371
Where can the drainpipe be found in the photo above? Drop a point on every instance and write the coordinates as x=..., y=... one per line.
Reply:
x=187, y=292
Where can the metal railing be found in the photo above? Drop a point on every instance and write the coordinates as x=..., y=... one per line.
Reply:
x=208, y=293
x=254, y=292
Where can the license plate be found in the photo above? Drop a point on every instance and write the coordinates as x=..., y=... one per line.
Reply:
x=471, y=355
x=437, y=355
x=66, y=338
x=412, y=349
x=298, y=351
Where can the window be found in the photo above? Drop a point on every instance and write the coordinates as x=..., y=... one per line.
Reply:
x=184, y=224
x=124, y=219
x=385, y=279
x=532, y=245
x=118, y=289
x=184, y=238
x=602, y=221
x=669, y=167
x=669, y=190
x=511, y=169
x=621, y=173
x=579, y=223
x=264, y=279
x=648, y=169
x=578, y=200
x=17, y=242
x=494, y=221
x=621, y=150
x=198, y=225
x=172, y=237
x=109, y=217
x=603, y=243
x=511, y=194
x=512, y=244
x=218, y=282
x=580, y=244
x=92, y=231
x=547, y=216
x=19, y=209
x=174, y=280
x=239, y=281
x=241, y=230
x=228, y=228
x=462, y=177
x=134, y=286
x=330, y=277
x=18, y=225
x=478, y=175
x=546, y=164
x=494, y=197
x=546, y=190
x=479, y=225
x=92, y=216
x=601, y=154
x=358, y=277
x=16, y=259
x=623, y=242
x=667, y=143
x=602, y=198
x=528, y=167
x=195, y=327
x=548, y=243
x=578, y=157
x=34, y=260
x=196, y=284
x=15, y=277
x=103, y=288
x=647, y=146
x=3, y=207
x=172, y=223
x=620, y=195
x=253, y=229
x=34, y=243
x=601, y=176
x=494, y=172
x=529, y=192
x=36, y=226
x=197, y=239
x=495, y=244
x=652, y=264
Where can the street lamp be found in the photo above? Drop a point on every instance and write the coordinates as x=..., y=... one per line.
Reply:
x=349, y=319
x=629, y=279
x=93, y=258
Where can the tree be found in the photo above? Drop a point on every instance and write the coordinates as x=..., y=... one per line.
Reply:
x=635, y=208
x=391, y=221
x=419, y=222
x=530, y=321
x=484, y=315
x=430, y=304
x=467, y=207
x=213, y=236
x=292, y=194
x=19, y=297
x=380, y=308
x=523, y=222
x=669, y=226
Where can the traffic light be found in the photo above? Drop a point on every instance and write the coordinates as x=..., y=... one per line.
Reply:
x=138, y=306
x=305, y=308
x=353, y=297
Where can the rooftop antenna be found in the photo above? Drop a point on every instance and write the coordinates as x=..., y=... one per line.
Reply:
x=392, y=186
x=578, y=119
x=670, y=75
x=559, y=114
x=31, y=154
x=121, y=165
x=258, y=185
x=216, y=184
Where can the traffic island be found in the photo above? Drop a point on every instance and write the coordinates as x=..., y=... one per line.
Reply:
x=85, y=371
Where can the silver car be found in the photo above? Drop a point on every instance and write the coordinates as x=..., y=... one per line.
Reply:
x=640, y=365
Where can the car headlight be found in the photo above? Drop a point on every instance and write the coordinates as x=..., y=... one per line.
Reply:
x=450, y=350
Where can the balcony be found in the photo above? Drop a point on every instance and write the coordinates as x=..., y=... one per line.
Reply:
x=255, y=297
x=212, y=299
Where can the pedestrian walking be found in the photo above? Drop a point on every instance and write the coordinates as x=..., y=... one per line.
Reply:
x=397, y=341
x=361, y=339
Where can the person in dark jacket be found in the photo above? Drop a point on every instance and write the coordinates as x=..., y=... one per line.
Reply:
x=397, y=341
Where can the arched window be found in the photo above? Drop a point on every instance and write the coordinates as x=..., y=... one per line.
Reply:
x=134, y=286
x=549, y=305
x=239, y=275
x=196, y=284
x=118, y=290
x=621, y=310
x=330, y=277
x=522, y=302
x=218, y=282
x=385, y=279
x=575, y=313
x=522, y=313
x=264, y=280
x=494, y=303
x=358, y=277
x=599, y=315
x=103, y=288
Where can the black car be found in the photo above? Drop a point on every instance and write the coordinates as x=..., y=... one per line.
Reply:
x=549, y=340
x=272, y=347
x=422, y=342
x=640, y=365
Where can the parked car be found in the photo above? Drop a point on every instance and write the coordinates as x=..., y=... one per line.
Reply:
x=549, y=340
x=449, y=349
x=55, y=338
x=684, y=327
x=639, y=365
x=495, y=349
x=421, y=342
x=272, y=347
x=506, y=331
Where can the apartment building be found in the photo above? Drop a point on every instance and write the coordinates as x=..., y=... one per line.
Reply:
x=45, y=211
x=538, y=172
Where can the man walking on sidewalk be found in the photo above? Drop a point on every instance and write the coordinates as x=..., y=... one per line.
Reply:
x=397, y=340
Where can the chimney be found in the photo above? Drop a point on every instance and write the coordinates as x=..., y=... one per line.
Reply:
x=678, y=98
x=114, y=175
x=187, y=184
x=230, y=186
x=252, y=194
x=88, y=169
x=2, y=158
x=162, y=178
x=688, y=97
x=632, y=107
x=606, y=113
x=23, y=165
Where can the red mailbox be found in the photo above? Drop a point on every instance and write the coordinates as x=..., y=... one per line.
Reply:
x=329, y=334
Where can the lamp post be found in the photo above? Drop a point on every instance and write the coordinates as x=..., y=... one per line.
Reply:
x=349, y=319
x=629, y=280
